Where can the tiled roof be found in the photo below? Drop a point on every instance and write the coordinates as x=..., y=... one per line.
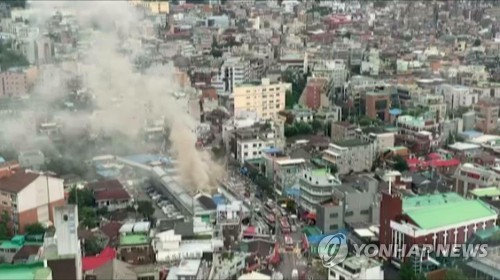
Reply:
x=17, y=181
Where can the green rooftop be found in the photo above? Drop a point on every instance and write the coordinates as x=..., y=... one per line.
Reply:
x=350, y=143
x=311, y=231
x=24, y=271
x=410, y=203
x=133, y=239
x=439, y=210
x=488, y=192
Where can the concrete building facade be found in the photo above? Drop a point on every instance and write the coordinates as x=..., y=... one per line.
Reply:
x=350, y=155
x=265, y=98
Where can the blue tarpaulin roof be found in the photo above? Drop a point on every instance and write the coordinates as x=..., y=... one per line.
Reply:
x=219, y=199
x=292, y=192
x=271, y=150
x=315, y=239
x=395, y=111
x=2, y=160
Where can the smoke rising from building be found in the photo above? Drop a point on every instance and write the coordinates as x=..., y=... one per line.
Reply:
x=125, y=98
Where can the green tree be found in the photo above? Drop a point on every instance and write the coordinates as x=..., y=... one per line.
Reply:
x=88, y=217
x=303, y=128
x=477, y=42
x=455, y=274
x=10, y=58
x=290, y=130
x=4, y=226
x=400, y=164
x=145, y=208
x=15, y=3
x=91, y=246
x=407, y=273
x=81, y=197
x=333, y=168
x=35, y=228
x=317, y=125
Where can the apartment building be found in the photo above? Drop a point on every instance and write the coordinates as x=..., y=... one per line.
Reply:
x=350, y=155
x=342, y=131
x=135, y=244
x=456, y=96
x=14, y=82
x=412, y=125
x=315, y=185
x=249, y=143
x=444, y=218
x=233, y=72
x=378, y=105
x=29, y=197
x=434, y=103
x=486, y=116
x=469, y=176
x=264, y=98
x=287, y=172
x=314, y=94
x=381, y=139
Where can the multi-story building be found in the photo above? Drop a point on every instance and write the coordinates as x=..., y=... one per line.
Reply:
x=29, y=197
x=233, y=72
x=486, y=116
x=314, y=94
x=248, y=143
x=13, y=82
x=264, y=98
x=352, y=203
x=315, y=185
x=412, y=125
x=469, y=177
x=61, y=249
x=342, y=131
x=287, y=172
x=433, y=219
x=110, y=194
x=434, y=103
x=378, y=105
x=382, y=139
x=457, y=96
x=350, y=155
x=356, y=267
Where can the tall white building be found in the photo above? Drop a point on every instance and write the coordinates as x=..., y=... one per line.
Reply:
x=234, y=71
x=457, y=96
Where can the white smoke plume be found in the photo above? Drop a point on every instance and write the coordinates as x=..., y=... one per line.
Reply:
x=125, y=99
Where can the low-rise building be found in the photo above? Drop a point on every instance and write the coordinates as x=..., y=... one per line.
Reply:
x=469, y=177
x=486, y=116
x=315, y=185
x=350, y=155
x=134, y=246
x=356, y=268
x=381, y=139
x=110, y=194
x=443, y=218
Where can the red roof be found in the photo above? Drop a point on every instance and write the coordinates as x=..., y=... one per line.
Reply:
x=93, y=262
x=445, y=163
x=434, y=156
x=118, y=194
x=413, y=161
x=250, y=231
x=275, y=259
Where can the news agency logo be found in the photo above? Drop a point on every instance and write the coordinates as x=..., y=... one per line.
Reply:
x=333, y=249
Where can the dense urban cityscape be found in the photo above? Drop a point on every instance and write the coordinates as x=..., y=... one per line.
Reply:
x=245, y=139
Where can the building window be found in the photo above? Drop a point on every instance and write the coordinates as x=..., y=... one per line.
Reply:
x=245, y=154
x=348, y=213
x=334, y=215
x=334, y=227
x=364, y=212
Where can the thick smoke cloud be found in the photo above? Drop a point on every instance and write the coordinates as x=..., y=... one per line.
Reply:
x=125, y=98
